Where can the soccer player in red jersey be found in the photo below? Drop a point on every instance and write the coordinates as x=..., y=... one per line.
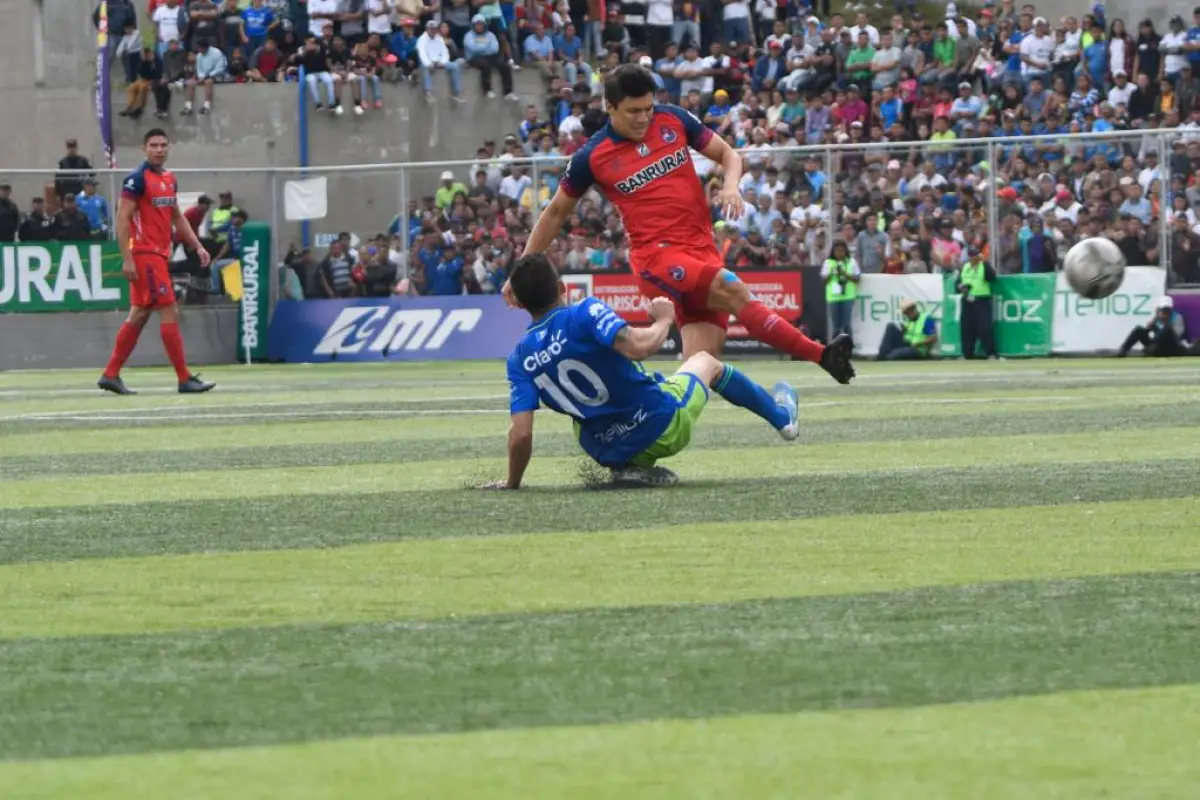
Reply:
x=641, y=161
x=147, y=214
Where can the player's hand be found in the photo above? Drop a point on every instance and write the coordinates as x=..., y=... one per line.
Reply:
x=662, y=309
x=730, y=203
x=203, y=257
x=129, y=270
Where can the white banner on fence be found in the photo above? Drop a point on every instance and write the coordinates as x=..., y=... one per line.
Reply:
x=1083, y=326
x=879, y=299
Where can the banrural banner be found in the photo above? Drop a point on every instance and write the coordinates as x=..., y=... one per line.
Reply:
x=57, y=276
x=254, y=311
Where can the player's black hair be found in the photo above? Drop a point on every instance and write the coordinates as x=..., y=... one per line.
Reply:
x=535, y=283
x=150, y=134
x=593, y=120
x=626, y=81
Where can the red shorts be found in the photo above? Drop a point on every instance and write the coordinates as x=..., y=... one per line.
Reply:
x=682, y=274
x=153, y=287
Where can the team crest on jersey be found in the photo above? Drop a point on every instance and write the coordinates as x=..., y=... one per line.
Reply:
x=643, y=149
x=677, y=273
x=667, y=134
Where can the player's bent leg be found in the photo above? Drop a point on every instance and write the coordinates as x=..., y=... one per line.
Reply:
x=780, y=409
x=728, y=293
x=701, y=337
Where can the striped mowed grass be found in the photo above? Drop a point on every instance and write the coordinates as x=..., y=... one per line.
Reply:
x=965, y=580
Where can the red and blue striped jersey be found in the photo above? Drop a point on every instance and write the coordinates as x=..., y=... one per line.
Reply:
x=154, y=220
x=653, y=183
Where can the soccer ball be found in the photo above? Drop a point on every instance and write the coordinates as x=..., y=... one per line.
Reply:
x=1095, y=267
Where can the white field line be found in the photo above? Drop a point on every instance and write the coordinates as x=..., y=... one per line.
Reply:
x=183, y=414
x=937, y=378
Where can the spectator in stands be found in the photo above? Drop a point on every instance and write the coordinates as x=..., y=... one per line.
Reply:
x=203, y=23
x=129, y=50
x=148, y=73
x=170, y=24
x=37, y=225
x=94, y=207
x=482, y=51
x=73, y=168
x=335, y=272
x=70, y=224
x=210, y=69
x=435, y=57
x=267, y=64
x=10, y=215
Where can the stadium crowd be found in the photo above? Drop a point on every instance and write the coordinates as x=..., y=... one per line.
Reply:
x=915, y=93
x=770, y=75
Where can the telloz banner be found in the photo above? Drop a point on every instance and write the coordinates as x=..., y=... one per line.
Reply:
x=450, y=328
x=1086, y=326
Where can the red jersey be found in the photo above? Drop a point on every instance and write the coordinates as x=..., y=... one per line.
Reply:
x=153, y=221
x=653, y=183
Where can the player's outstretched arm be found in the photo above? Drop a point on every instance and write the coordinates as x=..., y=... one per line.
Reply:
x=641, y=343
x=550, y=222
x=520, y=447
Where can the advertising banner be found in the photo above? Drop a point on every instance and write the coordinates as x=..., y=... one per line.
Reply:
x=1022, y=312
x=879, y=299
x=1083, y=326
x=395, y=329
x=578, y=287
x=103, y=91
x=254, y=309
x=779, y=291
x=1188, y=304
x=56, y=276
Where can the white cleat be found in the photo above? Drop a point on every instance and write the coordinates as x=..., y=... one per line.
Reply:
x=637, y=477
x=786, y=398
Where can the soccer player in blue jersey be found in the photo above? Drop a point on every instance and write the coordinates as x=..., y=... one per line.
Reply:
x=582, y=360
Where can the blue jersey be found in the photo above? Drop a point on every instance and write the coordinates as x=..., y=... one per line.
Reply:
x=566, y=362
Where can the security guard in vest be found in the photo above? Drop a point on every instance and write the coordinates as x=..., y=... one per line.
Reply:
x=220, y=219
x=974, y=283
x=841, y=275
x=913, y=337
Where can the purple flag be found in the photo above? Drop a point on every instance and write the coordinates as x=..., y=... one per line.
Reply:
x=104, y=86
x=1188, y=304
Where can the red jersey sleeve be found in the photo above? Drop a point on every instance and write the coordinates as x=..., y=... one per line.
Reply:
x=698, y=135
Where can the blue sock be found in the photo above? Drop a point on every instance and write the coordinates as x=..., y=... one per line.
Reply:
x=741, y=391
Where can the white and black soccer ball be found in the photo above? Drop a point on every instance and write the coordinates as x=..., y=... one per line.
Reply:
x=1095, y=267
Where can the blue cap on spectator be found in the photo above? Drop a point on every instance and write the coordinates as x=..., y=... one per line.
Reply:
x=478, y=18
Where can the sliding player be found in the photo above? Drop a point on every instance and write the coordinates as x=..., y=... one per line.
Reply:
x=582, y=360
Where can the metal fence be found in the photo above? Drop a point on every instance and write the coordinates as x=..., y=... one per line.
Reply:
x=367, y=199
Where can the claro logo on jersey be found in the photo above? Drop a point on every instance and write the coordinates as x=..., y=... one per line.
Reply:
x=544, y=356
x=382, y=329
x=664, y=166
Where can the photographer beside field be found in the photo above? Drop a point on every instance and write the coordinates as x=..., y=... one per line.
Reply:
x=1164, y=336
x=841, y=275
x=912, y=338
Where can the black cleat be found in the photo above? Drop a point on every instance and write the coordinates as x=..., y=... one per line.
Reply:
x=836, y=359
x=193, y=385
x=114, y=385
x=639, y=477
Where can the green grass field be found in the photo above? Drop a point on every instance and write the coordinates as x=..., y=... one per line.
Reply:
x=964, y=581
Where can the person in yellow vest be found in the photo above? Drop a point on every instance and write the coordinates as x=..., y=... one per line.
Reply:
x=220, y=219
x=974, y=282
x=841, y=276
x=443, y=198
x=913, y=337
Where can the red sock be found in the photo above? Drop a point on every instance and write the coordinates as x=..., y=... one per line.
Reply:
x=173, y=344
x=127, y=338
x=770, y=328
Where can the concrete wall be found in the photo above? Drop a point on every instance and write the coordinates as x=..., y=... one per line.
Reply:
x=62, y=341
x=251, y=127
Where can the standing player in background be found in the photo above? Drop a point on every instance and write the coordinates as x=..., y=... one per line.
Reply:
x=148, y=212
x=641, y=161
x=581, y=360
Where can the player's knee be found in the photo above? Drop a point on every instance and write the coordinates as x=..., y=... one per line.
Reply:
x=704, y=366
x=728, y=292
